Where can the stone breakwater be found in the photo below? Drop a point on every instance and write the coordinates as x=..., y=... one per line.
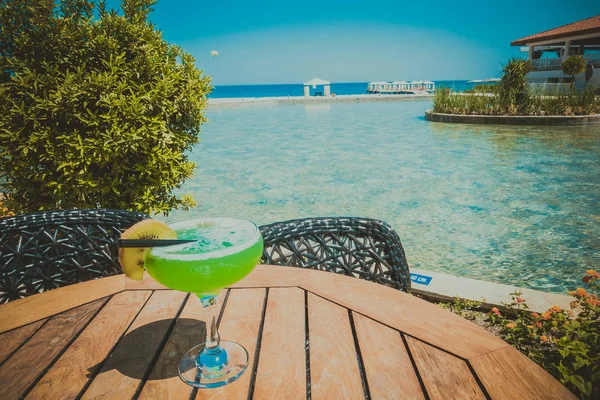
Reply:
x=258, y=101
x=531, y=120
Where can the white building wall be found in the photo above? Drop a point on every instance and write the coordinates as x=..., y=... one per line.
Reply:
x=543, y=76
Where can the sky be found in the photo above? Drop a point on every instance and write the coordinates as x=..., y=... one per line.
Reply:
x=287, y=41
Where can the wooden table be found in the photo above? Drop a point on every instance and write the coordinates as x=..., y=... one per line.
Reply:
x=309, y=334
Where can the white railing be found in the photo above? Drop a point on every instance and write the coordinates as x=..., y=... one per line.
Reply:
x=549, y=63
x=592, y=58
x=550, y=88
x=546, y=63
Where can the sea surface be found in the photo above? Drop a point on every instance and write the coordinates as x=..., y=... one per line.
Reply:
x=246, y=91
x=513, y=205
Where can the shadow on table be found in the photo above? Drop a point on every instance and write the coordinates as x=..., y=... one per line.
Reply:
x=135, y=352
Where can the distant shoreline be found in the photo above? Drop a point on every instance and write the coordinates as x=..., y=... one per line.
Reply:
x=281, y=100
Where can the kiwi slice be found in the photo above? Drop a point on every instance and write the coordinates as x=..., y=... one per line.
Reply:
x=132, y=259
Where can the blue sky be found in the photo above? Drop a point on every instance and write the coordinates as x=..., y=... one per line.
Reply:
x=286, y=41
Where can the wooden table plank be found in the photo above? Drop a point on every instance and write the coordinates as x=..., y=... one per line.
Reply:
x=147, y=283
x=387, y=363
x=11, y=340
x=503, y=372
x=71, y=372
x=240, y=323
x=281, y=369
x=189, y=331
x=261, y=277
x=445, y=376
x=405, y=312
x=30, y=361
x=131, y=359
x=508, y=374
x=334, y=371
x=43, y=305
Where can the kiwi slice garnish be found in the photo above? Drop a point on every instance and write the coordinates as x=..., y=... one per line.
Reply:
x=132, y=259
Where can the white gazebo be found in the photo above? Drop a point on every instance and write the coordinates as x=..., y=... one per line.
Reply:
x=429, y=86
x=399, y=85
x=314, y=83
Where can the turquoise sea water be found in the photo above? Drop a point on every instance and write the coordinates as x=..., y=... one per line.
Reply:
x=236, y=91
x=515, y=205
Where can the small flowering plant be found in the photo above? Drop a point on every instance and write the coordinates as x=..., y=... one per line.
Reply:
x=566, y=343
x=4, y=211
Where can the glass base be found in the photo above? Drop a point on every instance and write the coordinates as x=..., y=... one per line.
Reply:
x=213, y=368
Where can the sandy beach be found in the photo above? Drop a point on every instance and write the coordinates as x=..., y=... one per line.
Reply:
x=258, y=101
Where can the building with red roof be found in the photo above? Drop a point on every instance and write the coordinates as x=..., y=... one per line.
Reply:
x=548, y=49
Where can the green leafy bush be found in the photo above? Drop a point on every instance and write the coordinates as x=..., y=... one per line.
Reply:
x=463, y=307
x=96, y=109
x=512, y=96
x=566, y=343
x=572, y=66
x=583, y=102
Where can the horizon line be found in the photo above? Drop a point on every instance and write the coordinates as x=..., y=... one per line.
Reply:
x=338, y=83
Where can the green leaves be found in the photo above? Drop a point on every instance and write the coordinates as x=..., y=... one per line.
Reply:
x=513, y=97
x=574, y=65
x=94, y=111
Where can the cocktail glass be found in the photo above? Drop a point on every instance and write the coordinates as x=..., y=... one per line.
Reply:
x=227, y=249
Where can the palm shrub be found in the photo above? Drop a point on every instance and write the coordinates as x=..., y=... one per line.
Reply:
x=96, y=109
x=513, y=88
x=572, y=66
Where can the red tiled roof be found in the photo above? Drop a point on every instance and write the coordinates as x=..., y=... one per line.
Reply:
x=585, y=26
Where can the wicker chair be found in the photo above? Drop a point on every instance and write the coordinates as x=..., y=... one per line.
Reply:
x=359, y=247
x=47, y=250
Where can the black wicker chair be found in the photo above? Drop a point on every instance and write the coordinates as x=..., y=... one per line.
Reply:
x=47, y=250
x=360, y=247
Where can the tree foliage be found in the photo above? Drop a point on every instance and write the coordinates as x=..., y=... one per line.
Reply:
x=513, y=88
x=96, y=109
x=572, y=66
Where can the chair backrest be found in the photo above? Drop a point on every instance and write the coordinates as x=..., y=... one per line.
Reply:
x=47, y=250
x=360, y=247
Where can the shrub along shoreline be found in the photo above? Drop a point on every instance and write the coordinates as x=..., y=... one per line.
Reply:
x=584, y=102
x=512, y=96
x=566, y=343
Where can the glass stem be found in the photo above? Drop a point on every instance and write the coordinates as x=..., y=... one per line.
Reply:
x=212, y=333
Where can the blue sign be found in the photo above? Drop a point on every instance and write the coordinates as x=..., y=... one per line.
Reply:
x=420, y=279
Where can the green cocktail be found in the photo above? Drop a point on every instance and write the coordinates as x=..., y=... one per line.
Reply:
x=225, y=250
